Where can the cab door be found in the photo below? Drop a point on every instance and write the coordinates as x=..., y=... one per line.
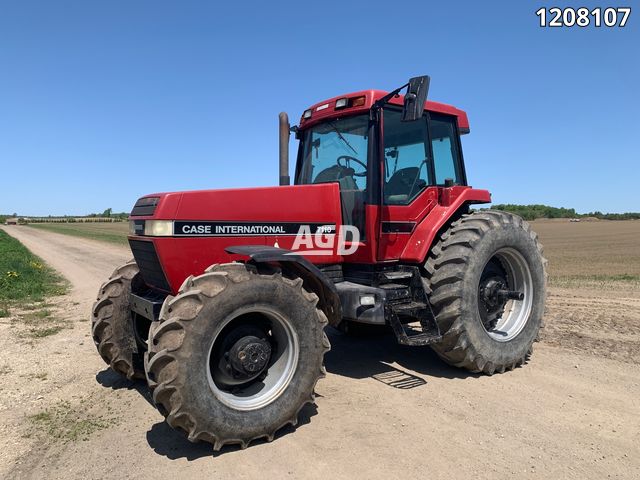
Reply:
x=419, y=159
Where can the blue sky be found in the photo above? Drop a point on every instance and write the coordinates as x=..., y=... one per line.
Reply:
x=101, y=102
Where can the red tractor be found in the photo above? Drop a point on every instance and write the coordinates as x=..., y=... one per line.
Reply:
x=224, y=306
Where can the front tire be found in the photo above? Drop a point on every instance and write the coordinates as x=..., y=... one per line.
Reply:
x=236, y=354
x=112, y=323
x=478, y=261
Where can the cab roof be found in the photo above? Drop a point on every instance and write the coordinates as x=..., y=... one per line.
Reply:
x=327, y=108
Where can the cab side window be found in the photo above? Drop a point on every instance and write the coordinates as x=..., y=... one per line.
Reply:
x=446, y=156
x=406, y=153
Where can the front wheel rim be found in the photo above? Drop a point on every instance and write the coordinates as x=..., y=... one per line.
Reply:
x=516, y=313
x=259, y=390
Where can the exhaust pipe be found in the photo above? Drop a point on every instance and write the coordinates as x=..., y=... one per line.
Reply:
x=284, y=148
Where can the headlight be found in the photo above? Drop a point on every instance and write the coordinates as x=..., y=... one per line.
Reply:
x=132, y=228
x=151, y=228
x=158, y=228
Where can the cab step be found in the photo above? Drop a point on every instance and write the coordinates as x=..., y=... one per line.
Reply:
x=406, y=334
x=394, y=276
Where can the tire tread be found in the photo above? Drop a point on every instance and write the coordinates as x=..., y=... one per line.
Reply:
x=444, y=275
x=184, y=308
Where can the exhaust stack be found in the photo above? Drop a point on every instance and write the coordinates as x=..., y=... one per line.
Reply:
x=284, y=148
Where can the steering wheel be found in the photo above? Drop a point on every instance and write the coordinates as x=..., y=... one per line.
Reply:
x=348, y=159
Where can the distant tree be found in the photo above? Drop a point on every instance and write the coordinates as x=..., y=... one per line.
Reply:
x=14, y=215
x=107, y=212
x=531, y=212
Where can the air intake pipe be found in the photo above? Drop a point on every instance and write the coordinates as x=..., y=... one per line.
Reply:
x=284, y=148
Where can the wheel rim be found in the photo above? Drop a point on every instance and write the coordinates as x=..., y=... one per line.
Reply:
x=504, y=318
x=252, y=358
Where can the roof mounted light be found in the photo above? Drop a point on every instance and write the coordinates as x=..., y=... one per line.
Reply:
x=307, y=114
x=341, y=103
x=357, y=101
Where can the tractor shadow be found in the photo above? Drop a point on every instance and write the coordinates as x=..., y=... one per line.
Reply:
x=172, y=444
x=367, y=355
x=370, y=355
x=110, y=379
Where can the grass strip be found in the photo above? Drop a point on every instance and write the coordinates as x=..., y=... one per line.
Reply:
x=115, y=233
x=24, y=277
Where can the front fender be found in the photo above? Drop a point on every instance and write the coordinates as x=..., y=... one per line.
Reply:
x=291, y=262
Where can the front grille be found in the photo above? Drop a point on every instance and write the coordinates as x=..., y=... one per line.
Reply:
x=149, y=265
x=145, y=206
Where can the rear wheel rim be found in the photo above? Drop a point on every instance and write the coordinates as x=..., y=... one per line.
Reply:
x=516, y=277
x=261, y=385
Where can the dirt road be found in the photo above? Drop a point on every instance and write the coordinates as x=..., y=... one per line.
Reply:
x=384, y=411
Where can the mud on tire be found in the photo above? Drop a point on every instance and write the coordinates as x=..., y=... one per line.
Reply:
x=112, y=326
x=185, y=363
x=477, y=249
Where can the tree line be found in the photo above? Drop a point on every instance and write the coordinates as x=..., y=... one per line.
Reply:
x=106, y=216
x=531, y=212
x=528, y=212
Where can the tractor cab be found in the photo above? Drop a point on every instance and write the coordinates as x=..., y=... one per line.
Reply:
x=390, y=167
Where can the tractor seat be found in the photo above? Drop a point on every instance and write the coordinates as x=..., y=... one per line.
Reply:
x=351, y=197
x=334, y=174
x=403, y=185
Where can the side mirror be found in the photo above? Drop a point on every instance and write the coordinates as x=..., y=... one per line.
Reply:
x=415, y=97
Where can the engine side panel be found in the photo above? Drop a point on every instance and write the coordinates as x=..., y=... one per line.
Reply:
x=191, y=253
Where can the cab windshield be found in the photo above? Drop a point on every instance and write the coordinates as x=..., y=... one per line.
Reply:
x=336, y=151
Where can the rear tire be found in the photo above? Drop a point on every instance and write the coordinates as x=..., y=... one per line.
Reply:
x=112, y=325
x=480, y=253
x=194, y=346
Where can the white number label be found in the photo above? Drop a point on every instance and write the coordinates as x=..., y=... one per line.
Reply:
x=583, y=17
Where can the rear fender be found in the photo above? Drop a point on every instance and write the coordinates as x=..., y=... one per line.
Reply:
x=451, y=201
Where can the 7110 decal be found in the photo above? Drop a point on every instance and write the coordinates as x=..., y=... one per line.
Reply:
x=583, y=17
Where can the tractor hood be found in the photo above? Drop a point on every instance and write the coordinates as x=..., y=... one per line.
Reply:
x=174, y=235
x=269, y=209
